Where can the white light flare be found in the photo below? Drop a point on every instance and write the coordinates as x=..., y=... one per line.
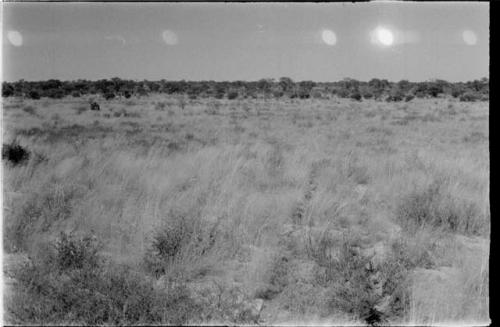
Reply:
x=15, y=38
x=329, y=37
x=469, y=37
x=169, y=37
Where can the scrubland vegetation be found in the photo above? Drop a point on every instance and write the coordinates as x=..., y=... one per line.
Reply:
x=172, y=210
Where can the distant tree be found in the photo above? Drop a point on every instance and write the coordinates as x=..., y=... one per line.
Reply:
x=7, y=89
x=286, y=84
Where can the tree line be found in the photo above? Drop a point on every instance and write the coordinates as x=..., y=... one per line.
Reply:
x=378, y=89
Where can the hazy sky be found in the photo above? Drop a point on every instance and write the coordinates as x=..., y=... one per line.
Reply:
x=246, y=41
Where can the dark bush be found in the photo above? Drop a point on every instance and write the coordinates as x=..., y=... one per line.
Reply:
x=75, y=94
x=367, y=95
x=232, y=95
x=109, y=96
x=34, y=94
x=409, y=97
x=15, y=153
x=356, y=96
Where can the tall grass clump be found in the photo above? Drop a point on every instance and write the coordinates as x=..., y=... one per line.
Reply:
x=166, y=244
x=72, y=284
x=435, y=208
x=374, y=293
x=38, y=213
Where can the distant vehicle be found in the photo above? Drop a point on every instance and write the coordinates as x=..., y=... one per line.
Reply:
x=94, y=106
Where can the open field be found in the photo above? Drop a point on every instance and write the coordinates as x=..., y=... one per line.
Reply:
x=247, y=211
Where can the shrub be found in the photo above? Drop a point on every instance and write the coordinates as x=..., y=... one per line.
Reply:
x=109, y=95
x=93, y=292
x=15, y=153
x=278, y=94
x=349, y=283
x=409, y=97
x=55, y=93
x=75, y=94
x=394, y=98
x=30, y=110
x=356, y=96
x=432, y=207
x=76, y=253
x=167, y=243
x=469, y=97
x=232, y=95
x=367, y=95
x=34, y=94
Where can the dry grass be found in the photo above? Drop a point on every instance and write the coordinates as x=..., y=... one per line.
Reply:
x=259, y=196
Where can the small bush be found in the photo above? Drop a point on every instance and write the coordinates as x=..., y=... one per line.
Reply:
x=356, y=96
x=368, y=95
x=34, y=94
x=409, y=97
x=167, y=243
x=76, y=253
x=232, y=95
x=432, y=207
x=109, y=96
x=30, y=110
x=469, y=97
x=160, y=106
x=15, y=153
x=75, y=94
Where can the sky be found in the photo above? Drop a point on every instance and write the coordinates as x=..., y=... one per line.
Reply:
x=246, y=41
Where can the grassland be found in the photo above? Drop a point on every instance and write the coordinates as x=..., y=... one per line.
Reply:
x=247, y=211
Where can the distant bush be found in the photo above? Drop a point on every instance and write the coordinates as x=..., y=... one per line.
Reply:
x=232, y=95
x=469, y=97
x=409, y=97
x=356, y=96
x=55, y=93
x=30, y=110
x=367, y=95
x=34, y=94
x=109, y=96
x=15, y=153
x=394, y=98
